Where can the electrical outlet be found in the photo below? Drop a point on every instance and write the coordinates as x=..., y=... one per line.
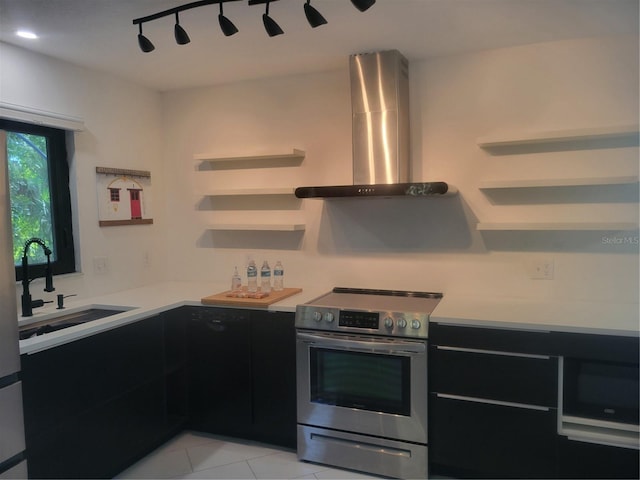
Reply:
x=541, y=269
x=100, y=265
x=146, y=259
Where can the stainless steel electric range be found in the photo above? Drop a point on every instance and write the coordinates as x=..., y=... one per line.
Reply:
x=362, y=380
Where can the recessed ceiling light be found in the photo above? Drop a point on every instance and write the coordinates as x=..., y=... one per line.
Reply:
x=26, y=34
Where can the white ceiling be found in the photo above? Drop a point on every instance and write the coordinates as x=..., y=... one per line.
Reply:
x=100, y=34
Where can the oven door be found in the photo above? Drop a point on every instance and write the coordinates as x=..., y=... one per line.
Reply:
x=363, y=384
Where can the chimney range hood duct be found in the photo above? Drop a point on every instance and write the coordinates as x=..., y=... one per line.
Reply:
x=380, y=129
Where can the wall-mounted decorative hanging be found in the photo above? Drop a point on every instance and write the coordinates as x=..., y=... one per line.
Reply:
x=124, y=197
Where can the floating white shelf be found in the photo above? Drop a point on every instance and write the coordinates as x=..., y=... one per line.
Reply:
x=223, y=192
x=560, y=226
x=276, y=227
x=296, y=156
x=555, y=136
x=557, y=182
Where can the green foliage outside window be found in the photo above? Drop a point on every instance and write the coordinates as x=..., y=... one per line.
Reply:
x=30, y=196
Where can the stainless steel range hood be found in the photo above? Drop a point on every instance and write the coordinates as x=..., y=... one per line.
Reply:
x=380, y=129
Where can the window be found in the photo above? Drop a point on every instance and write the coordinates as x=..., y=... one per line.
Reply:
x=40, y=197
x=115, y=194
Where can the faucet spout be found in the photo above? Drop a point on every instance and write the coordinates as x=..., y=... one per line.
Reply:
x=27, y=303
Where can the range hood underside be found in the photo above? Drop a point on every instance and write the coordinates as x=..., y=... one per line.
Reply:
x=415, y=189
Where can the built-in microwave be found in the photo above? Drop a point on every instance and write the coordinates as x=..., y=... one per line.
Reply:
x=599, y=401
x=600, y=390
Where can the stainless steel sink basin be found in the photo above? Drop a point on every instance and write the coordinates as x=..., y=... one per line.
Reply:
x=71, y=319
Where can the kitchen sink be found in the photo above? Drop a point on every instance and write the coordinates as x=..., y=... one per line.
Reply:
x=71, y=319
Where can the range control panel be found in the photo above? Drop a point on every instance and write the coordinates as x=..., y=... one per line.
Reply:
x=395, y=324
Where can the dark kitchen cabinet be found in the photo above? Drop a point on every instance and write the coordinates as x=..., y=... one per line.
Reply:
x=492, y=403
x=588, y=460
x=242, y=374
x=95, y=405
x=273, y=360
x=176, y=368
x=219, y=371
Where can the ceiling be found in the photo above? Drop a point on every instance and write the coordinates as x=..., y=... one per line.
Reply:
x=99, y=34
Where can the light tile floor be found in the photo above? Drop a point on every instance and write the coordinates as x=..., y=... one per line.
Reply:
x=197, y=455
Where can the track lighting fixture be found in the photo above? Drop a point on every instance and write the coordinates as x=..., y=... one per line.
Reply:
x=363, y=5
x=314, y=17
x=226, y=25
x=181, y=35
x=270, y=24
x=145, y=44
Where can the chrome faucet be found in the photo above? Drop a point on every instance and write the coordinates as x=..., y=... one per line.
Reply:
x=27, y=304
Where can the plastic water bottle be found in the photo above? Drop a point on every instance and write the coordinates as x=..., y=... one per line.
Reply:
x=252, y=277
x=236, y=281
x=265, y=277
x=278, y=277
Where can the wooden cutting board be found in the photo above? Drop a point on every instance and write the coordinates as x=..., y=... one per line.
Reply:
x=224, y=298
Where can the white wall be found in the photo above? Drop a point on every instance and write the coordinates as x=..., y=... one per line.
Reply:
x=122, y=129
x=427, y=244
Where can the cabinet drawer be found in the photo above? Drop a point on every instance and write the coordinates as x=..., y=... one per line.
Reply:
x=509, y=377
x=500, y=339
x=477, y=440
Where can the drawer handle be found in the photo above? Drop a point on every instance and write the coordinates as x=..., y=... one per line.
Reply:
x=492, y=352
x=493, y=402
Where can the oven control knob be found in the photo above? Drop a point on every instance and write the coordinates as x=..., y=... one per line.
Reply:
x=388, y=322
x=402, y=323
x=415, y=324
x=328, y=317
x=317, y=316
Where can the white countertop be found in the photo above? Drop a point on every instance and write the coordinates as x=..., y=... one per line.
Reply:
x=143, y=302
x=580, y=317
x=526, y=314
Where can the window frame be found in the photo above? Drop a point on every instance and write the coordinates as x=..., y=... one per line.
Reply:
x=57, y=157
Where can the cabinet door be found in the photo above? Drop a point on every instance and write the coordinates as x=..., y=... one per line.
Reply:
x=220, y=371
x=480, y=440
x=176, y=367
x=588, y=460
x=510, y=377
x=273, y=347
x=94, y=405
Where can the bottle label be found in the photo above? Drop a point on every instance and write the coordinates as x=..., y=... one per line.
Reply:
x=265, y=274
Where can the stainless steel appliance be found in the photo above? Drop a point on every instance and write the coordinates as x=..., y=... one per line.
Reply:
x=12, y=443
x=361, y=361
x=599, y=400
x=380, y=128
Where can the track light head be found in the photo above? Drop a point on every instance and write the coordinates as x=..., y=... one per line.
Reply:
x=270, y=24
x=363, y=5
x=226, y=25
x=314, y=17
x=145, y=44
x=181, y=35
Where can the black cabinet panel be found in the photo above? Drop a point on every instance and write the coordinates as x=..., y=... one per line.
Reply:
x=587, y=460
x=475, y=440
x=493, y=376
x=500, y=339
x=95, y=405
x=273, y=352
x=176, y=367
x=242, y=374
x=66, y=380
x=220, y=371
x=597, y=347
x=101, y=442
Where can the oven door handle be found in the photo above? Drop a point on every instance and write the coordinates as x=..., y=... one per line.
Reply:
x=364, y=345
